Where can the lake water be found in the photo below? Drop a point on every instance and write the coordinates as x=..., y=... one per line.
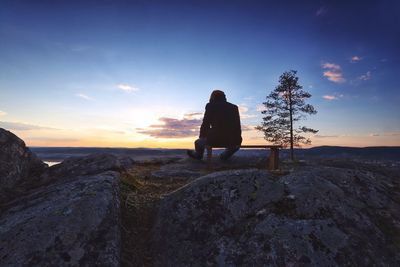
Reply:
x=51, y=163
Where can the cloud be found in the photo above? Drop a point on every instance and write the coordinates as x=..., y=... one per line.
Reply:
x=243, y=111
x=173, y=128
x=333, y=72
x=18, y=126
x=365, y=76
x=260, y=107
x=194, y=115
x=83, y=96
x=79, y=48
x=52, y=139
x=385, y=134
x=331, y=66
x=329, y=97
x=2, y=113
x=321, y=11
x=325, y=136
x=355, y=59
x=248, y=127
x=127, y=88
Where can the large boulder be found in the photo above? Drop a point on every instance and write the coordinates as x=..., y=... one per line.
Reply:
x=18, y=165
x=73, y=222
x=317, y=216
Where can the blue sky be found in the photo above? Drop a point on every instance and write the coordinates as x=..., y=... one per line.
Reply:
x=138, y=73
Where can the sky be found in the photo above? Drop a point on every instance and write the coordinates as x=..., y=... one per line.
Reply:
x=139, y=73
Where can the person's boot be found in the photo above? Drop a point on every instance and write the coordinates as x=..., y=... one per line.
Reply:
x=193, y=154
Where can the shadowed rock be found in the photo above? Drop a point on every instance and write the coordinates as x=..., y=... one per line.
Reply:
x=75, y=222
x=317, y=216
x=18, y=165
x=65, y=215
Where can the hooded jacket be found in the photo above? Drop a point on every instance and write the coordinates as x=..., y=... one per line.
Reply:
x=221, y=124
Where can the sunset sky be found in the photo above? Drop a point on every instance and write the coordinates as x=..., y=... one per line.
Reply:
x=139, y=73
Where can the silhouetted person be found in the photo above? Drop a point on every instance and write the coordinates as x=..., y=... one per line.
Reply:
x=220, y=127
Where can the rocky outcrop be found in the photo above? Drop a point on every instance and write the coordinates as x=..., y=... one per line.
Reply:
x=72, y=223
x=318, y=216
x=18, y=165
x=65, y=215
x=88, y=165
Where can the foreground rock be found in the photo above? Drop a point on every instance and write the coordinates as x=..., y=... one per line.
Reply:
x=65, y=215
x=18, y=165
x=72, y=223
x=315, y=216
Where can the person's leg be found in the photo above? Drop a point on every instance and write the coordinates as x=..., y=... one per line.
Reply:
x=199, y=145
x=229, y=151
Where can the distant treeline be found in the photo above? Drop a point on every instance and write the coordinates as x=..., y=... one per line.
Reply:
x=370, y=153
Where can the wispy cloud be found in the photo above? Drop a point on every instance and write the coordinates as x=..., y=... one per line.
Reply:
x=248, y=127
x=243, y=110
x=79, y=48
x=194, y=115
x=329, y=97
x=260, y=107
x=321, y=11
x=325, y=136
x=355, y=59
x=18, y=126
x=2, y=113
x=332, y=97
x=365, y=76
x=173, y=128
x=333, y=72
x=52, y=139
x=396, y=133
x=127, y=88
x=83, y=96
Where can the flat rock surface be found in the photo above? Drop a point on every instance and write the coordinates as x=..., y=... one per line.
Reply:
x=188, y=169
x=316, y=216
x=71, y=223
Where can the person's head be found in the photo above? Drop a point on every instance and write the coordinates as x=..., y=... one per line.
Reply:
x=217, y=96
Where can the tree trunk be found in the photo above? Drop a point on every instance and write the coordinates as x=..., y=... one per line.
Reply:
x=291, y=124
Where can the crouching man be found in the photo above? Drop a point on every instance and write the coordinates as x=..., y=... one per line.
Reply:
x=220, y=127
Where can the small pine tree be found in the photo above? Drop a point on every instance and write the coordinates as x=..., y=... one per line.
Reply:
x=284, y=107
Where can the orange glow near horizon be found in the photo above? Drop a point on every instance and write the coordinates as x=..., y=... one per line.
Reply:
x=187, y=143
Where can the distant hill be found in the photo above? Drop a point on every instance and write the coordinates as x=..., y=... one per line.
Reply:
x=367, y=153
x=377, y=153
x=60, y=153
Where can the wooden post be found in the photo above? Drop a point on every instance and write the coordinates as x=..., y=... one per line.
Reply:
x=273, y=162
x=209, y=156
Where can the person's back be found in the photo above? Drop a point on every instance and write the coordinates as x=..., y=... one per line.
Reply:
x=220, y=127
x=221, y=124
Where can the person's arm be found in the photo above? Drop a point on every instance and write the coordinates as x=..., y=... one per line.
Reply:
x=205, y=126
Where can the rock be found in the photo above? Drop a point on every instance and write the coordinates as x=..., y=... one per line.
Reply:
x=73, y=222
x=166, y=172
x=188, y=169
x=191, y=219
x=88, y=165
x=317, y=216
x=18, y=165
